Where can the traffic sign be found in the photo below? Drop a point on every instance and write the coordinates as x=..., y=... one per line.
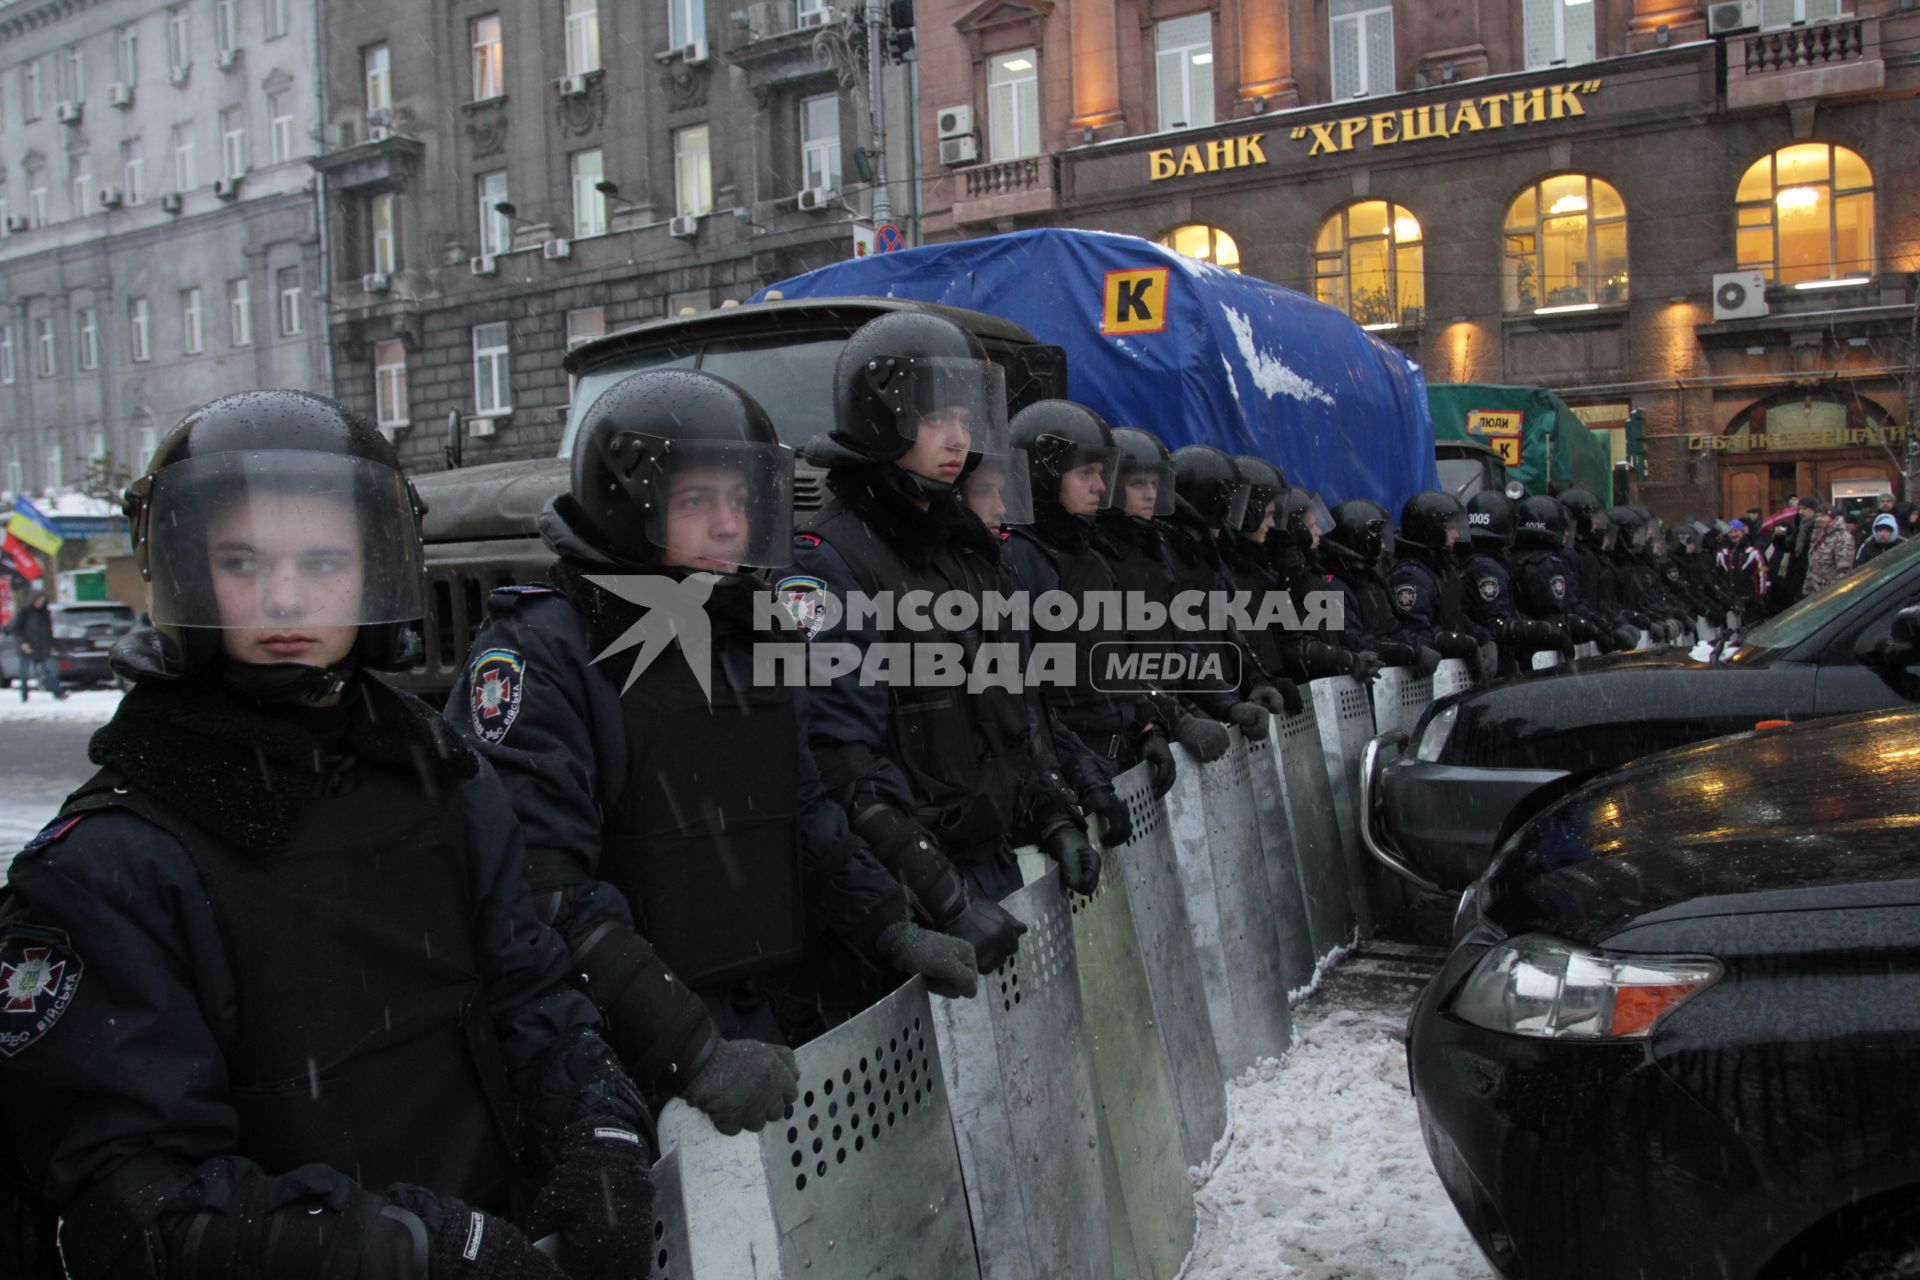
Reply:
x=887, y=238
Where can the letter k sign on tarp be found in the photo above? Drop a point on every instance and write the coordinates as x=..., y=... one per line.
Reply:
x=1136, y=301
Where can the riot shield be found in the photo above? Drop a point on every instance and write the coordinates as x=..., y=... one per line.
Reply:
x=1451, y=676
x=1400, y=694
x=1280, y=852
x=1345, y=720
x=1320, y=862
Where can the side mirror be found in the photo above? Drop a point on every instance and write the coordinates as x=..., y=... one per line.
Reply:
x=1905, y=633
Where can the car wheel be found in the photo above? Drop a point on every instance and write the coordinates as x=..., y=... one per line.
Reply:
x=1888, y=1248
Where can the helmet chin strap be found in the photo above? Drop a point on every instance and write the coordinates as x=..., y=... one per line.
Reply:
x=286, y=681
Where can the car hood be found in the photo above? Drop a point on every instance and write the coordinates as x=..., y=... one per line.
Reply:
x=1761, y=821
x=498, y=500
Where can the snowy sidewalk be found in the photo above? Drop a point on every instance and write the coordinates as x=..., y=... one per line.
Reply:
x=1327, y=1177
x=43, y=756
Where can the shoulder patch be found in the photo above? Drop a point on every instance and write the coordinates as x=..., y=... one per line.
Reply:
x=1558, y=585
x=1489, y=588
x=53, y=831
x=498, y=679
x=1405, y=595
x=39, y=972
x=805, y=600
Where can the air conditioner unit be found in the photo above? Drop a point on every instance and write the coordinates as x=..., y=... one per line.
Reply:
x=1727, y=16
x=694, y=54
x=956, y=122
x=177, y=76
x=1738, y=295
x=119, y=95
x=815, y=198
x=379, y=133
x=482, y=427
x=485, y=264
x=374, y=282
x=226, y=188
x=110, y=198
x=573, y=86
x=67, y=112
x=959, y=150
x=16, y=223
x=686, y=227
x=818, y=17
x=170, y=202
x=556, y=250
x=227, y=59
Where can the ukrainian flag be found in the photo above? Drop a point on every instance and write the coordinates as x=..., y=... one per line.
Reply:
x=34, y=529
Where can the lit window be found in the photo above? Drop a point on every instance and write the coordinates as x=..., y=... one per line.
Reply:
x=489, y=58
x=183, y=167
x=492, y=374
x=292, y=311
x=233, y=143
x=587, y=322
x=1806, y=213
x=589, y=202
x=193, y=335
x=1367, y=261
x=390, y=384
x=280, y=126
x=133, y=171
x=820, y=141
x=1183, y=65
x=583, y=36
x=1209, y=244
x=686, y=22
x=1013, y=105
x=240, y=311
x=378, y=65
x=386, y=254
x=1565, y=245
x=86, y=332
x=1558, y=31
x=1362, y=41
x=692, y=172
x=139, y=329
x=496, y=229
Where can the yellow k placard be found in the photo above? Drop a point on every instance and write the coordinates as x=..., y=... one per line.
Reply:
x=1136, y=301
x=1508, y=447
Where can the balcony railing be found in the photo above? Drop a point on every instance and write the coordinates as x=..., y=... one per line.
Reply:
x=1799, y=47
x=1011, y=176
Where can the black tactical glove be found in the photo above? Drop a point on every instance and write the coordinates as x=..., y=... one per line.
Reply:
x=947, y=963
x=598, y=1199
x=1079, y=861
x=1160, y=766
x=1281, y=698
x=990, y=929
x=1322, y=659
x=744, y=1084
x=1366, y=666
x=1207, y=739
x=1250, y=717
x=1426, y=660
x=1116, y=820
x=1457, y=644
x=466, y=1244
x=1625, y=636
x=1395, y=654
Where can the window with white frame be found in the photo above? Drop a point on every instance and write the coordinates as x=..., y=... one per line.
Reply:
x=71, y=72
x=183, y=166
x=820, y=141
x=583, y=36
x=492, y=374
x=489, y=58
x=390, y=384
x=86, y=335
x=37, y=204
x=1013, y=105
x=274, y=17
x=377, y=62
x=56, y=462
x=149, y=441
x=686, y=22
x=286, y=287
x=139, y=329
x=1362, y=44
x=193, y=337
x=805, y=9
x=16, y=473
x=1787, y=13
x=6, y=354
x=45, y=363
x=97, y=446
x=180, y=37
x=1558, y=32
x=496, y=229
x=585, y=323
x=386, y=250
x=589, y=203
x=226, y=25
x=692, y=172
x=1183, y=70
x=240, y=311
x=133, y=171
x=126, y=55
x=280, y=126
x=33, y=89
x=233, y=143
x=80, y=182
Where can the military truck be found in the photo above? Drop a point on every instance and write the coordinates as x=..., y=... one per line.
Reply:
x=480, y=523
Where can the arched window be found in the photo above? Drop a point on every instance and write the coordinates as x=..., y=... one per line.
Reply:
x=1369, y=261
x=1806, y=213
x=1209, y=244
x=1566, y=246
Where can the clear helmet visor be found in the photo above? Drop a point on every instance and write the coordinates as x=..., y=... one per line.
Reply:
x=282, y=540
x=999, y=491
x=715, y=505
x=1238, y=496
x=1459, y=529
x=1144, y=490
x=945, y=404
x=1317, y=518
x=1089, y=475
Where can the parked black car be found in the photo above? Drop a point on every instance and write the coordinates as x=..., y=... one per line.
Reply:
x=1485, y=760
x=1679, y=1032
x=83, y=632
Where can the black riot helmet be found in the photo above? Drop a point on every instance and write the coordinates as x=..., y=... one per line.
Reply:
x=908, y=372
x=1631, y=528
x=1146, y=472
x=1210, y=483
x=1058, y=437
x=274, y=511
x=1542, y=524
x=1302, y=518
x=1433, y=521
x=1490, y=520
x=1265, y=484
x=1582, y=507
x=675, y=460
x=1685, y=537
x=1362, y=532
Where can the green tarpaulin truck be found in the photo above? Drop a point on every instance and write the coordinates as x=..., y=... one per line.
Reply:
x=1531, y=429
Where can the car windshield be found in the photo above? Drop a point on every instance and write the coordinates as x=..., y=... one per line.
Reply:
x=1462, y=477
x=1791, y=626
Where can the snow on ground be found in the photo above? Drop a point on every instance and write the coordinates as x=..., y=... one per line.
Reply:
x=83, y=706
x=33, y=781
x=1327, y=1177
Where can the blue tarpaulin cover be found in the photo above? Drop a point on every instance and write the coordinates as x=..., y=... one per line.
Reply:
x=1192, y=352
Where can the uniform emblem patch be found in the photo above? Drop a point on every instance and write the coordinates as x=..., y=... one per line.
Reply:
x=1489, y=588
x=1405, y=594
x=1558, y=585
x=39, y=972
x=806, y=602
x=498, y=679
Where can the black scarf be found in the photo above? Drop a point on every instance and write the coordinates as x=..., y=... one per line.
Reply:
x=874, y=493
x=239, y=769
x=1119, y=535
x=1057, y=529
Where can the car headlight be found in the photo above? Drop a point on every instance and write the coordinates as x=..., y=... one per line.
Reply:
x=1535, y=985
x=1434, y=739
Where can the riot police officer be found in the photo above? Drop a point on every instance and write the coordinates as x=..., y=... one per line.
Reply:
x=1543, y=582
x=283, y=1006
x=1248, y=568
x=1589, y=556
x=1360, y=537
x=1636, y=580
x=1487, y=585
x=1423, y=586
x=677, y=832
x=1300, y=521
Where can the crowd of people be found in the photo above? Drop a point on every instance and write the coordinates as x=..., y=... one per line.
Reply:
x=1806, y=547
x=312, y=979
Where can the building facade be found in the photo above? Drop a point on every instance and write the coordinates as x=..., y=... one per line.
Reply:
x=503, y=181
x=158, y=238
x=1705, y=213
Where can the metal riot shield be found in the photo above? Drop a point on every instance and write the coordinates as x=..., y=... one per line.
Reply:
x=671, y=1261
x=1451, y=676
x=1165, y=936
x=1020, y=1066
x=1400, y=694
x=1345, y=721
x=1545, y=659
x=1585, y=649
x=1280, y=853
x=1319, y=861
x=1225, y=889
x=862, y=1178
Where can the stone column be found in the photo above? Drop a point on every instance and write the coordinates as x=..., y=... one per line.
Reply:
x=1266, y=56
x=1096, y=67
